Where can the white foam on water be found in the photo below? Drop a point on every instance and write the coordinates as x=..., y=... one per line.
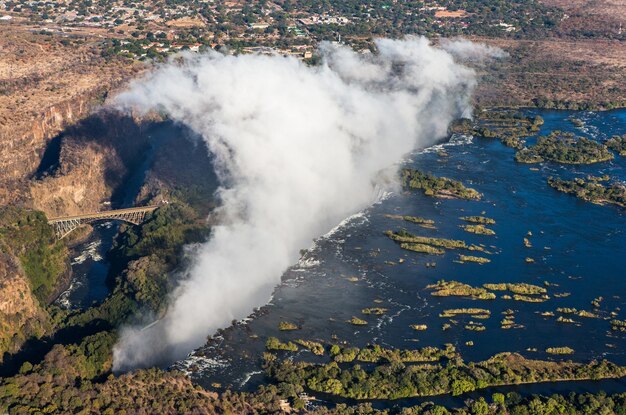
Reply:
x=89, y=252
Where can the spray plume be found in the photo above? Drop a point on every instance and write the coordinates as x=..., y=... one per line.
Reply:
x=297, y=149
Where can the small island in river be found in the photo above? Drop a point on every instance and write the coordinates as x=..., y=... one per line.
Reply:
x=591, y=190
x=565, y=148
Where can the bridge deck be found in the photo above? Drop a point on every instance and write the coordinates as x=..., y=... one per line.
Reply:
x=106, y=213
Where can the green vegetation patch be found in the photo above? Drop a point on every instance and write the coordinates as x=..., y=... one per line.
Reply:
x=357, y=321
x=617, y=143
x=27, y=235
x=482, y=220
x=273, y=343
x=437, y=186
x=618, y=325
x=315, y=347
x=397, y=380
x=507, y=126
x=517, y=288
x=419, y=327
x=565, y=148
x=413, y=219
x=475, y=259
x=579, y=313
x=454, y=288
x=374, y=310
x=422, y=249
x=478, y=229
x=591, y=191
x=402, y=236
x=559, y=350
x=453, y=312
x=287, y=326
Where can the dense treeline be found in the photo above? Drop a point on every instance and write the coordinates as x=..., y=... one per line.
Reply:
x=397, y=380
x=511, y=404
x=75, y=379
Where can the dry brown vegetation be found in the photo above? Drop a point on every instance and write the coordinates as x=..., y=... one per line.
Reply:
x=569, y=70
x=591, y=18
x=46, y=83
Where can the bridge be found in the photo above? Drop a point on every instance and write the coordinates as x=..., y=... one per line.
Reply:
x=63, y=225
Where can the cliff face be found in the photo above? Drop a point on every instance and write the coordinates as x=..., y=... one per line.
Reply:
x=95, y=158
x=43, y=90
x=80, y=184
x=21, y=153
x=21, y=317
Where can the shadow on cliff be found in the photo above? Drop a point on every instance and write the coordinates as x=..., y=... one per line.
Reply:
x=35, y=350
x=120, y=141
x=138, y=156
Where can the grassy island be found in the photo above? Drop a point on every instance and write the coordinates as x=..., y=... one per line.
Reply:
x=357, y=321
x=428, y=245
x=455, y=288
x=578, y=123
x=591, y=191
x=404, y=236
x=374, y=310
x=473, y=326
x=482, y=220
x=286, y=326
x=517, y=288
x=453, y=312
x=529, y=299
x=508, y=322
x=315, y=347
x=618, y=325
x=273, y=343
x=508, y=126
x=413, y=219
x=475, y=259
x=478, y=229
x=437, y=186
x=559, y=350
x=422, y=248
x=419, y=327
x=565, y=148
x=579, y=313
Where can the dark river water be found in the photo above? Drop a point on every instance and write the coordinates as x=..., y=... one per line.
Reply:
x=578, y=247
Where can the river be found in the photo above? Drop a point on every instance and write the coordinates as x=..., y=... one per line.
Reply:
x=578, y=249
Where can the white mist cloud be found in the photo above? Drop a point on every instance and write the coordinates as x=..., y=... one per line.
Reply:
x=298, y=149
x=469, y=51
